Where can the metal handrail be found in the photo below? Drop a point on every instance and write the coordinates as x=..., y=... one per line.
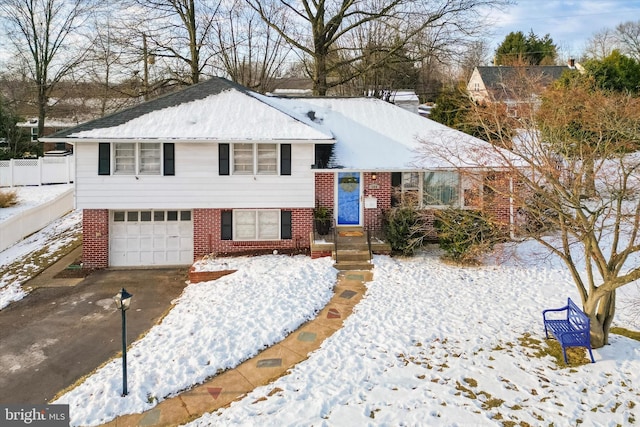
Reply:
x=369, y=244
x=335, y=240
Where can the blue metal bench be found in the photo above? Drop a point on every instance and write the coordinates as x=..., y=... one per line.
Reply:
x=572, y=331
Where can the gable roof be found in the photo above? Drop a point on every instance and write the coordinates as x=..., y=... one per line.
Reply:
x=216, y=109
x=497, y=77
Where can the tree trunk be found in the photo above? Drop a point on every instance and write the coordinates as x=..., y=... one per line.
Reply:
x=589, y=177
x=320, y=77
x=601, y=310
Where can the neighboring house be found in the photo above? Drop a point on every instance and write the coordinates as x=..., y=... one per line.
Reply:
x=30, y=128
x=217, y=168
x=512, y=85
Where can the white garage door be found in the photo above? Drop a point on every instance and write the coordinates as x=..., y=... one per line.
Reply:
x=150, y=237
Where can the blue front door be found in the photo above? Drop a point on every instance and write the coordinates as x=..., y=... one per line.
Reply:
x=348, y=198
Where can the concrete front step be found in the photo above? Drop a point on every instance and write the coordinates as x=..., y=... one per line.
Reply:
x=352, y=255
x=353, y=265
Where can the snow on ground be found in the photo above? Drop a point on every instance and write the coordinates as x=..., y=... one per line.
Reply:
x=434, y=344
x=16, y=262
x=214, y=326
x=430, y=344
x=29, y=197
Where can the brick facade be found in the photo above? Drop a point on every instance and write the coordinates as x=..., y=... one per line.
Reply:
x=207, y=235
x=324, y=189
x=207, y=222
x=95, y=238
x=497, y=202
x=380, y=188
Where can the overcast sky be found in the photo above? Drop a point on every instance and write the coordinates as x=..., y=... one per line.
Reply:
x=570, y=23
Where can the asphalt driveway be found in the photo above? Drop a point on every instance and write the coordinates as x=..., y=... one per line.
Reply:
x=56, y=335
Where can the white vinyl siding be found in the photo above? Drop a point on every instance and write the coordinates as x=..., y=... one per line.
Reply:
x=198, y=185
x=142, y=158
x=256, y=224
x=252, y=159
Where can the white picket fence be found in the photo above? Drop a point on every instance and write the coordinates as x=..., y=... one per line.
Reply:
x=43, y=170
x=17, y=227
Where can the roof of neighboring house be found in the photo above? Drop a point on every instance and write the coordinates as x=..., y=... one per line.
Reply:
x=496, y=77
x=369, y=134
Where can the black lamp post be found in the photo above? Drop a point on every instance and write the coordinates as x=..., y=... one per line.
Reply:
x=123, y=300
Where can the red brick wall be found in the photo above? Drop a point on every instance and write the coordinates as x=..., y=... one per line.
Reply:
x=496, y=199
x=324, y=189
x=380, y=188
x=207, y=231
x=95, y=238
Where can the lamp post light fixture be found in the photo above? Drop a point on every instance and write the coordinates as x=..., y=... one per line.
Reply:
x=123, y=300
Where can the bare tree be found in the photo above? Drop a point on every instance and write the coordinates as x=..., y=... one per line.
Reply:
x=251, y=53
x=575, y=132
x=43, y=34
x=178, y=31
x=601, y=44
x=628, y=34
x=323, y=25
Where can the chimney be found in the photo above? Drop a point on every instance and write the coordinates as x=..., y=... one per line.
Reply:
x=572, y=63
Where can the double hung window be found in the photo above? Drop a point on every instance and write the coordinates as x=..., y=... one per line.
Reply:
x=143, y=158
x=250, y=159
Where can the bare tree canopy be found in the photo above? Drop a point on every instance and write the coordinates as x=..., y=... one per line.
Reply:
x=625, y=37
x=628, y=34
x=178, y=31
x=44, y=34
x=320, y=29
x=251, y=53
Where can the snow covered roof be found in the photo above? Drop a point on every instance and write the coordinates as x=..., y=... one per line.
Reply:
x=369, y=134
x=216, y=109
x=372, y=134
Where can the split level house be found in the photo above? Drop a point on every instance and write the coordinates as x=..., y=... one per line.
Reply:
x=216, y=168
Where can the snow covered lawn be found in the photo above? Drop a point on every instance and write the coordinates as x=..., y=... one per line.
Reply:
x=430, y=344
x=438, y=345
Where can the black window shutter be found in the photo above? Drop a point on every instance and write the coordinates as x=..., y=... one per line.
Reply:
x=285, y=159
x=285, y=225
x=223, y=159
x=104, y=158
x=227, y=225
x=169, y=159
x=396, y=179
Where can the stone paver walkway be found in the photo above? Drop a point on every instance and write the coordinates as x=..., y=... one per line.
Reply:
x=265, y=367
